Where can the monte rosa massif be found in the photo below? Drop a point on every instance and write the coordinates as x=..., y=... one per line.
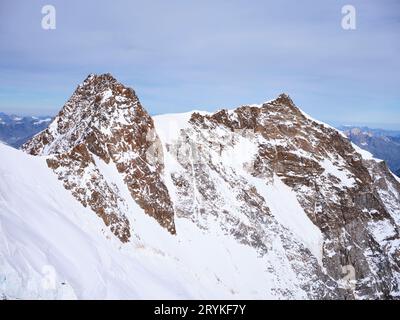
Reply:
x=258, y=202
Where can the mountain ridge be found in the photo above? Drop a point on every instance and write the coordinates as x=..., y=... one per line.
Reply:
x=113, y=126
x=317, y=218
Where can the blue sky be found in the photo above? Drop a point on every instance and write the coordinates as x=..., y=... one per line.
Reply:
x=183, y=55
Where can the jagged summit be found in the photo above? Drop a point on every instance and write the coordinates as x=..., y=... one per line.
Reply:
x=100, y=77
x=282, y=107
x=280, y=112
x=284, y=98
x=99, y=104
x=104, y=121
x=100, y=83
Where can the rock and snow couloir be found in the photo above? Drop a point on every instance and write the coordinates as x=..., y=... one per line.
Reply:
x=256, y=202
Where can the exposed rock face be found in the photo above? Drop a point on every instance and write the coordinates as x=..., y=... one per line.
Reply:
x=354, y=203
x=323, y=219
x=105, y=120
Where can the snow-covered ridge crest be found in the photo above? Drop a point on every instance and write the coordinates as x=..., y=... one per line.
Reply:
x=100, y=103
x=169, y=124
x=105, y=119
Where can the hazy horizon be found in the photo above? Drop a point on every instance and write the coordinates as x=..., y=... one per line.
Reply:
x=336, y=124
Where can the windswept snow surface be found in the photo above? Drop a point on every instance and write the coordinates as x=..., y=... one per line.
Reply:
x=168, y=125
x=52, y=247
x=366, y=155
x=288, y=212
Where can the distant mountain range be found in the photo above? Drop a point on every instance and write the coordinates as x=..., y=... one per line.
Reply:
x=372, y=131
x=383, y=144
x=16, y=130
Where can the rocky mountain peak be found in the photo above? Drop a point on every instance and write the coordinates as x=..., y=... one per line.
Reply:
x=274, y=143
x=92, y=77
x=99, y=104
x=108, y=85
x=103, y=121
x=285, y=99
x=273, y=118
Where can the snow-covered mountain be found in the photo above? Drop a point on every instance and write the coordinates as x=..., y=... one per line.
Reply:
x=16, y=130
x=257, y=202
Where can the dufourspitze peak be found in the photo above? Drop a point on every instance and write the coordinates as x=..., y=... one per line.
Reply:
x=104, y=121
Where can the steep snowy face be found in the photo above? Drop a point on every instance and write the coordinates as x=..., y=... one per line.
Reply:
x=51, y=247
x=104, y=121
x=270, y=173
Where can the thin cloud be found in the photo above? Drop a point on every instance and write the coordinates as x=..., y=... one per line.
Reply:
x=180, y=55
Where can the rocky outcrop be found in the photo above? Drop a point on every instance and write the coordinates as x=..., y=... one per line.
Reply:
x=105, y=120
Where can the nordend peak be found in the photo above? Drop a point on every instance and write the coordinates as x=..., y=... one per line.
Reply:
x=104, y=121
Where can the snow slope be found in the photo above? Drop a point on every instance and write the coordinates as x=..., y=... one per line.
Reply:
x=169, y=125
x=52, y=247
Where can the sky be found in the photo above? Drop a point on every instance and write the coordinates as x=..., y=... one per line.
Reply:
x=207, y=55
